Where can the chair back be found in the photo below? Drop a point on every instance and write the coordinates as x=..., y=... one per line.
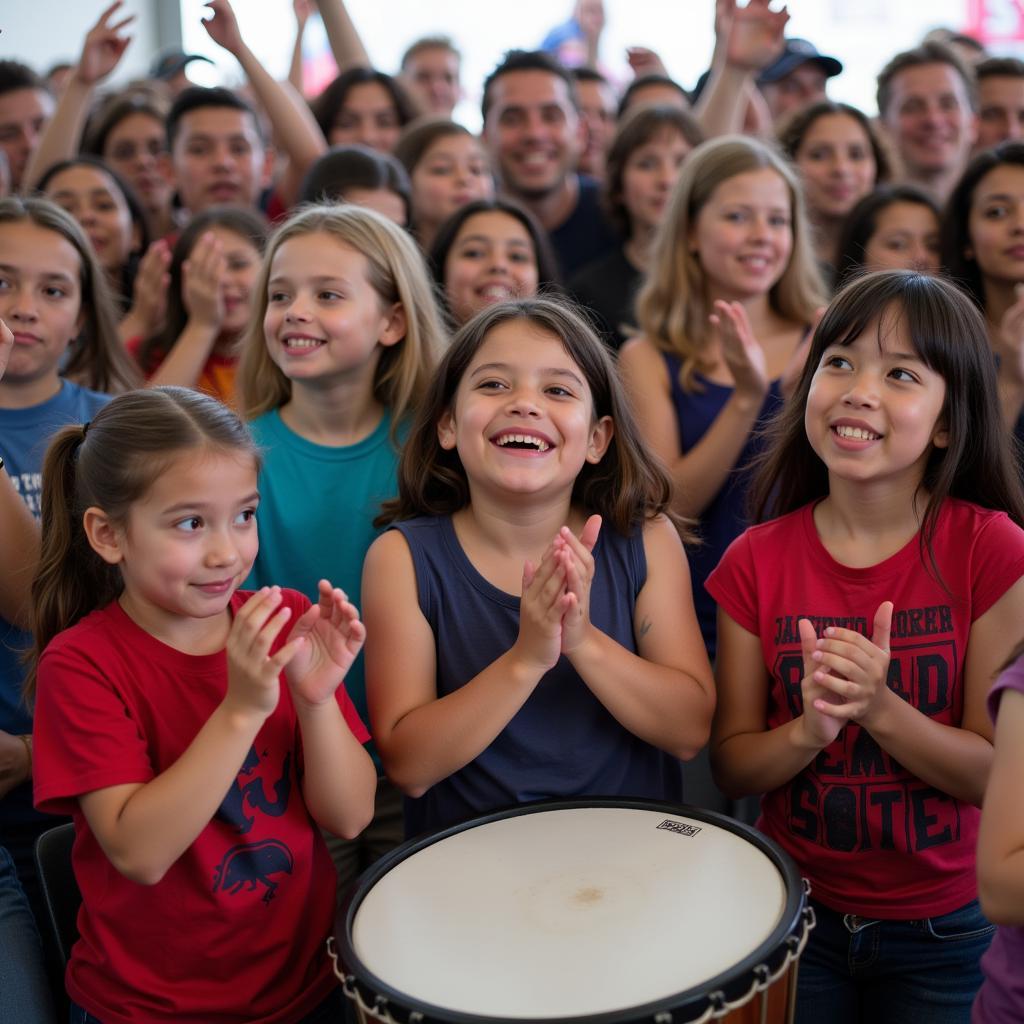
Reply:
x=60, y=889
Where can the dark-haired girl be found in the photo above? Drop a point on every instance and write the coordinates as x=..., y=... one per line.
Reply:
x=213, y=270
x=363, y=107
x=859, y=630
x=532, y=628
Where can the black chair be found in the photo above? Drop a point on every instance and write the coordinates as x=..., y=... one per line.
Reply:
x=60, y=890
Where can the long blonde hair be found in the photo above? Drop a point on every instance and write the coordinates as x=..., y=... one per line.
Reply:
x=396, y=272
x=672, y=307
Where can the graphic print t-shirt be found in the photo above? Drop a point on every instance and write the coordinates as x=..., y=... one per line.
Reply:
x=236, y=929
x=871, y=837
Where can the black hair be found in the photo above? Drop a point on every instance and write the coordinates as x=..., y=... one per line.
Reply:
x=641, y=83
x=346, y=167
x=197, y=97
x=528, y=60
x=330, y=102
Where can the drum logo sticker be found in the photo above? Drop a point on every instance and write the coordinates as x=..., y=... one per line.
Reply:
x=680, y=826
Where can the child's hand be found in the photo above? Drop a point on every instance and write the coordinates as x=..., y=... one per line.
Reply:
x=578, y=565
x=543, y=604
x=741, y=351
x=6, y=346
x=854, y=669
x=821, y=728
x=252, y=673
x=329, y=636
x=202, y=274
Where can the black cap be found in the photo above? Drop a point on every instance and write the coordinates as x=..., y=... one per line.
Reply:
x=170, y=62
x=795, y=53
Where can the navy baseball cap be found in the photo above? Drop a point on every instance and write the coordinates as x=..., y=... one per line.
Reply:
x=795, y=53
x=170, y=62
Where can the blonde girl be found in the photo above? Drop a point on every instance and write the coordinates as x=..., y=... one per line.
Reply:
x=731, y=291
x=342, y=345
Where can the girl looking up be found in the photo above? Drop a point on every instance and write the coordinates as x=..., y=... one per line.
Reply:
x=859, y=631
x=344, y=339
x=731, y=291
x=213, y=272
x=533, y=632
x=194, y=732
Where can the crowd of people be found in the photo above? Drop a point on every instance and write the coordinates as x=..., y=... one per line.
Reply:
x=656, y=443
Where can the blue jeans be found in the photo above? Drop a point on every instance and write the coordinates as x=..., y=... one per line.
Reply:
x=24, y=989
x=858, y=970
x=328, y=1012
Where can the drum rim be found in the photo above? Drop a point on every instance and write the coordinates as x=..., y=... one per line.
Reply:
x=733, y=982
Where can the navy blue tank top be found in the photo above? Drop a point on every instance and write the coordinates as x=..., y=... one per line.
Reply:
x=562, y=742
x=725, y=517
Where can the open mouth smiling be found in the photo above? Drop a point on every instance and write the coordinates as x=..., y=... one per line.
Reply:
x=526, y=442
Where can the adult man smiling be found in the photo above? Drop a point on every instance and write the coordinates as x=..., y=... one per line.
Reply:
x=535, y=136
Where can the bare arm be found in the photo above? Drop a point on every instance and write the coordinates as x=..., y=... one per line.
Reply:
x=302, y=12
x=1001, y=838
x=664, y=693
x=698, y=474
x=423, y=738
x=342, y=34
x=145, y=827
x=747, y=39
x=104, y=44
x=295, y=128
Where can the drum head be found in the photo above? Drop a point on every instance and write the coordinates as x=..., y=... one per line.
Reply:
x=601, y=910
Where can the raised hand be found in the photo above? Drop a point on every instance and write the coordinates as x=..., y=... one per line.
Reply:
x=253, y=684
x=755, y=33
x=578, y=564
x=202, y=274
x=854, y=669
x=6, y=346
x=541, y=608
x=741, y=351
x=645, y=62
x=329, y=637
x=223, y=26
x=104, y=46
x=302, y=10
x=821, y=727
x=149, y=293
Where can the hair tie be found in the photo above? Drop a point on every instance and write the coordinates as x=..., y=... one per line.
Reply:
x=85, y=428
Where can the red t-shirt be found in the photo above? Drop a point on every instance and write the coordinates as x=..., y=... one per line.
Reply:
x=217, y=377
x=236, y=929
x=872, y=838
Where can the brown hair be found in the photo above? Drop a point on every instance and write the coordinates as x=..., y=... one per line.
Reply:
x=96, y=358
x=626, y=487
x=672, y=307
x=930, y=52
x=111, y=463
x=636, y=129
x=396, y=273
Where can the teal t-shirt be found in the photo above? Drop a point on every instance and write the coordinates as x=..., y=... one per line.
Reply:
x=317, y=506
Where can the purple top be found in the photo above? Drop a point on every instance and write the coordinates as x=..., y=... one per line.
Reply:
x=1001, y=997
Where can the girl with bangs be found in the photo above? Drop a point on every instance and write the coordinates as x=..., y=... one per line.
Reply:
x=529, y=613
x=341, y=347
x=731, y=291
x=859, y=632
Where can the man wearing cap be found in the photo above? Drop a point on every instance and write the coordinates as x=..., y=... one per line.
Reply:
x=797, y=78
x=170, y=65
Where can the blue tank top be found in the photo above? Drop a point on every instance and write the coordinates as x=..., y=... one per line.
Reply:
x=562, y=742
x=725, y=517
